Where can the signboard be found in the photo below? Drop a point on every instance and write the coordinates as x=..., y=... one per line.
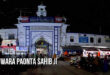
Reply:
x=22, y=48
x=104, y=52
x=6, y=42
x=85, y=53
x=9, y=44
x=24, y=19
x=8, y=51
x=58, y=19
x=107, y=40
x=41, y=19
x=83, y=39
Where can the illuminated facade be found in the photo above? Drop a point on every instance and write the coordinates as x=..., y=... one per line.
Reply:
x=48, y=34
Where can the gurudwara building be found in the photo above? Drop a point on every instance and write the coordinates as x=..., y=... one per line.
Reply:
x=42, y=34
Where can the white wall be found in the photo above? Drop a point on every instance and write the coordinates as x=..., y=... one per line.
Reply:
x=5, y=33
x=63, y=34
x=95, y=37
x=65, y=37
x=75, y=42
x=21, y=35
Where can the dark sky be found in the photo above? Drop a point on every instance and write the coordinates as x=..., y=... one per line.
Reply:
x=85, y=16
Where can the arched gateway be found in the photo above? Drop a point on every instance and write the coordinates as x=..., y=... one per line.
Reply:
x=41, y=34
x=43, y=47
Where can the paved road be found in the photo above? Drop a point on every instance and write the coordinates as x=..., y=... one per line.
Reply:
x=62, y=68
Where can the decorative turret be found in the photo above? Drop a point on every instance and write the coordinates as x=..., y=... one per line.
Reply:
x=41, y=17
x=41, y=11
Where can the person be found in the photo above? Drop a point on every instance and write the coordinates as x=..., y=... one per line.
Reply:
x=87, y=62
x=105, y=64
x=41, y=56
x=54, y=57
x=36, y=56
x=88, y=58
x=91, y=63
x=78, y=58
x=82, y=62
x=96, y=63
x=66, y=53
x=27, y=56
x=98, y=53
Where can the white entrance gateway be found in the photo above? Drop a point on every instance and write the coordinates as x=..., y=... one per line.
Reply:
x=31, y=29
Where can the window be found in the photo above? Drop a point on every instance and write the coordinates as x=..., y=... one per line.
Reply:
x=71, y=39
x=99, y=40
x=91, y=40
x=10, y=45
x=42, y=9
x=85, y=35
x=11, y=36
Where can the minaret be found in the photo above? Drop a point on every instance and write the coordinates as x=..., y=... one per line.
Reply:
x=41, y=11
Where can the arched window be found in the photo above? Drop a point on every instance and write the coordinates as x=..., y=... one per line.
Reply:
x=41, y=9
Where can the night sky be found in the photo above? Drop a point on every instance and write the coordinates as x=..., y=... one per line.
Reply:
x=84, y=16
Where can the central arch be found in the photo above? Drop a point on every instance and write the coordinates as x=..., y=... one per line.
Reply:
x=42, y=36
x=43, y=47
